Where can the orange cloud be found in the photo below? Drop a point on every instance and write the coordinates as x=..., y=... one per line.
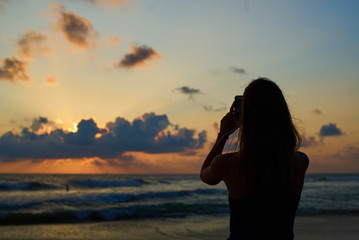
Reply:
x=2, y=4
x=31, y=44
x=51, y=80
x=342, y=160
x=317, y=112
x=109, y=3
x=112, y=41
x=12, y=69
x=137, y=57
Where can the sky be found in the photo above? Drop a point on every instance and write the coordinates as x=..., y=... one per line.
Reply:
x=140, y=86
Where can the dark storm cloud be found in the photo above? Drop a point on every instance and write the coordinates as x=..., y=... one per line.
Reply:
x=12, y=69
x=32, y=43
x=330, y=130
x=149, y=134
x=237, y=70
x=77, y=30
x=137, y=56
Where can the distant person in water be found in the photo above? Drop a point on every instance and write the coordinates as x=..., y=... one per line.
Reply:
x=265, y=177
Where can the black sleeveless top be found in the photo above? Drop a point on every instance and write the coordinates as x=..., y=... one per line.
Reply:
x=264, y=214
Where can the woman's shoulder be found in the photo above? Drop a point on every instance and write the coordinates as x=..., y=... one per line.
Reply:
x=302, y=160
x=301, y=164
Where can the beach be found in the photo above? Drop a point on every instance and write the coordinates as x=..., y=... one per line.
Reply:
x=310, y=227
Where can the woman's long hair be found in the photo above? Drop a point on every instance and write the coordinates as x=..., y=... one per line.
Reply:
x=268, y=139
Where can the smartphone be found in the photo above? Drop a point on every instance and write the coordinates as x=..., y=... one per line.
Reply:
x=237, y=107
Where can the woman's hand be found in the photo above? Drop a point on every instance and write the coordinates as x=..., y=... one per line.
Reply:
x=228, y=123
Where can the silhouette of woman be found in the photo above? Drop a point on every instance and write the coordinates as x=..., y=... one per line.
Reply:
x=265, y=177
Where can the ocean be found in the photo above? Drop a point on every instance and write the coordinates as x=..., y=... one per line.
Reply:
x=62, y=198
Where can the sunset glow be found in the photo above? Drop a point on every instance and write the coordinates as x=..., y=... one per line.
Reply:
x=140, y=86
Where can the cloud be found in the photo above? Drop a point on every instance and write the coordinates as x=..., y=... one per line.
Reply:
x=137, y=57
x=219, y=107
x=188, y=91
x=330, y=130
x=38, y=123
x=51, y=80
x=326, y=130
x=349, y=153
x=31, y=44
x=12, y=69
x=237, y=70
x=215, y=127
x=149, y=133
x=77, y=30
x=309, y=141
x=57, y=7
x=126, y=158
x=317, y=112
x=344, y=160
x=85, y=134
x=108, y=3
x=2, y=4
x=112, y=41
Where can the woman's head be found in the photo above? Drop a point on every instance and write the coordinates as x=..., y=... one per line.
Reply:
x=268, y=138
